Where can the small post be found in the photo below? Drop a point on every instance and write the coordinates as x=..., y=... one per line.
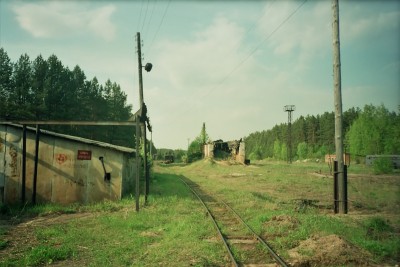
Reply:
x=23, y=164
x=335, y=188
x=35, y=171
x=345, y=189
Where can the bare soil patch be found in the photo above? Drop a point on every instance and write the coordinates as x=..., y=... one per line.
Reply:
x=329, y=250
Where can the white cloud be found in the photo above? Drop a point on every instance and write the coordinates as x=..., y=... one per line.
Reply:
x=305, y=35
x=356, y=23
x=201, y=61
x=65, y=19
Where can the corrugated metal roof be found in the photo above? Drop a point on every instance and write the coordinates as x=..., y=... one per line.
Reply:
x=76, y=138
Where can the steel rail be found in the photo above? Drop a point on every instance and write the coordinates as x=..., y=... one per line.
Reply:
x=268, y=247
x=234, y=262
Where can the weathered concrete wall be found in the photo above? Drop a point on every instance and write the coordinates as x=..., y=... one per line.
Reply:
x=241, y=156
x=68, y=170
x=369, y=159
x=208, y=150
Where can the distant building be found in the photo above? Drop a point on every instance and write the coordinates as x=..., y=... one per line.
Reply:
x=369, y=159
x=70, y=169
x=233, y=149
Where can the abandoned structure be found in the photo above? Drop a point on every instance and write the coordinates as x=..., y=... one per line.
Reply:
x=233, y=149
x=395, y=159
x=70, y=169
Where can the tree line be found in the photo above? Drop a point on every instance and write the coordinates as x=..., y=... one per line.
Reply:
x=372, y=130
x=45, y=89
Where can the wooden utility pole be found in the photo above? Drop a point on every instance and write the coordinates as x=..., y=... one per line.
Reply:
x=342, y=186
x=143, y=120
x=137, y=184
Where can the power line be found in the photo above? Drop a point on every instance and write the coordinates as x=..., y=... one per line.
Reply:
x=140, y=15
x=159, y=26
x=256, y=48
x=145, y=15
x=148, y=24
x=252, y=27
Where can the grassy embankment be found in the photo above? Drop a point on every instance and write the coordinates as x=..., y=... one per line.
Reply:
x=172, y=230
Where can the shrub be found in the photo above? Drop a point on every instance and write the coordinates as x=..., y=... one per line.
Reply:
x=383, y=166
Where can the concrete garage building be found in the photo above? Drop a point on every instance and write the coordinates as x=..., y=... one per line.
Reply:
x=70, y=169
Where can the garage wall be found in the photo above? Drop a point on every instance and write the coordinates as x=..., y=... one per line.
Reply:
x=69, y=171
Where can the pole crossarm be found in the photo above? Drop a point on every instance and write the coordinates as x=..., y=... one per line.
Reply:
x=84, y=123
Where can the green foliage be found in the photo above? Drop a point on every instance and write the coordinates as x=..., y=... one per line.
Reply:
x=373, y=130
x=377, y=225
x=277, y=149
x=302, y=150
x=383, y=166
x=195, y=149
x=47, y=254
x=47, y=90
x=256, y=154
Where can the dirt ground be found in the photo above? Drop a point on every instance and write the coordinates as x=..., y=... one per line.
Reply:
x=327, y=251
x=320, y=250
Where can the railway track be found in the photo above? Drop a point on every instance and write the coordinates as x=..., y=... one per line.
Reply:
x=243, y=245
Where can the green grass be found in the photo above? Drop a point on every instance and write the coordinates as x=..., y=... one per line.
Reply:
x=170, y=230
x=173, y=230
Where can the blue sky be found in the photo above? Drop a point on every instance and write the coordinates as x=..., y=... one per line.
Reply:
x=230, y=64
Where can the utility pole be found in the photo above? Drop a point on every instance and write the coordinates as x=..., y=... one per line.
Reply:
x=143, y=120
x=289, y=109
x=342, y=181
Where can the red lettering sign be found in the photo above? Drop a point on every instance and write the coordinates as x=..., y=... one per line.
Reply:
x=84, y=155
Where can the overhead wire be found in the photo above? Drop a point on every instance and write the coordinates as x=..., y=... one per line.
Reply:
x=255, y=49
x=239, y=44
x=145, y=15
x=140, y=16
x=148, y=23
x=159, y=26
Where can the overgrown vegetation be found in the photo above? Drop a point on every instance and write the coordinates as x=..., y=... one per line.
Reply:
x=383, y=166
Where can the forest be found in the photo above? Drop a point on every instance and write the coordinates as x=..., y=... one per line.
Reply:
x=373, y=130
x=45, y=89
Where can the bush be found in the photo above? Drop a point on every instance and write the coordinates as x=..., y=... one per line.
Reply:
x=383, y=166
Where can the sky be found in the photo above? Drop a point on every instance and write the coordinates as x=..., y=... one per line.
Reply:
x=233, y=65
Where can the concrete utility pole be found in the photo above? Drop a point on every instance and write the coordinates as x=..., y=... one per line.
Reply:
x=143, y=123
x=289, y=109
x=342, y=183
